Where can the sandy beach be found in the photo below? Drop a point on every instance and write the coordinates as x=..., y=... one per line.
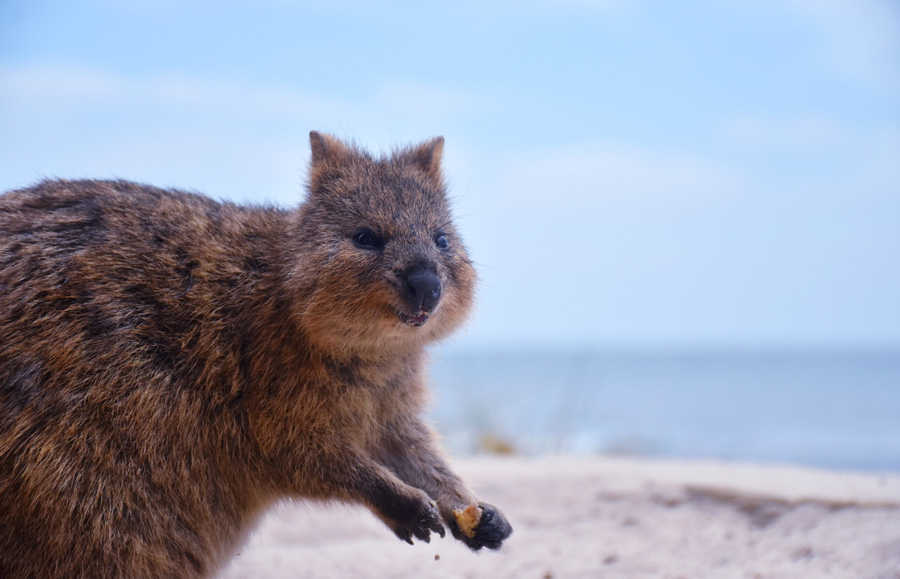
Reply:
x=613, y=517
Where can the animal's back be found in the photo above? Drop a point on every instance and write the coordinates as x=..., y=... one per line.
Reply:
x=110, y=315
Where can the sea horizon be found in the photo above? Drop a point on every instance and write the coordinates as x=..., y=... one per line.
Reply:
x=828, y=407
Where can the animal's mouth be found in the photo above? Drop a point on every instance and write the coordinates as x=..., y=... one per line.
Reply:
x=416, y=320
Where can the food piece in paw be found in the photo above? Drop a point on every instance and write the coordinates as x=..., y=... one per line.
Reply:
x=468, y=519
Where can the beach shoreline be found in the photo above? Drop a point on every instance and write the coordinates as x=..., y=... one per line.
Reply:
x=613, y=517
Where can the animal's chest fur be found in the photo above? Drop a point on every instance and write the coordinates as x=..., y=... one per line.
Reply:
x=369, y=399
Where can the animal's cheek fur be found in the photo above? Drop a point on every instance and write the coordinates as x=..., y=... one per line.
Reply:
x=350, y=304
x=458, y=299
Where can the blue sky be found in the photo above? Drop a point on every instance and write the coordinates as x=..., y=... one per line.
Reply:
x=628, y=173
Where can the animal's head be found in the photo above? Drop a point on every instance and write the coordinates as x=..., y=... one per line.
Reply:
x=379, y=260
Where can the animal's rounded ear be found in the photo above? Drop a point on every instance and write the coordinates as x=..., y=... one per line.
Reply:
x=326, y=149
x=427, y=156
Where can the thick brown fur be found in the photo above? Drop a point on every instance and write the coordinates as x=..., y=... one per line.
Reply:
x=171, y=366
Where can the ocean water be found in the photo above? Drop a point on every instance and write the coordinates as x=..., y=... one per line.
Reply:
x=827, y=409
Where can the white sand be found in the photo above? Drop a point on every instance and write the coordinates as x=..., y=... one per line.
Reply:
x=606, y=517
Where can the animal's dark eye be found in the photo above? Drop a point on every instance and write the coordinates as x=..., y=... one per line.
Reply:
x=441, y=241
x=365, y=239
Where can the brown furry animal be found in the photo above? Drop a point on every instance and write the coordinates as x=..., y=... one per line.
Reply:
x=170, y=366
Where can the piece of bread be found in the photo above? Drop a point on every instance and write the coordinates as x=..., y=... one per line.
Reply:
x=468, y=519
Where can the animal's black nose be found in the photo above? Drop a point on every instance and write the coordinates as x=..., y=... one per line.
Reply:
x=423, y=288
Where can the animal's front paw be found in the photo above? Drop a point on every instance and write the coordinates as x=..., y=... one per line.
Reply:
x=420, y=522
x=490, y=530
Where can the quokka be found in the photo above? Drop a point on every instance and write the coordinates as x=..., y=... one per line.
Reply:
x=171, y=366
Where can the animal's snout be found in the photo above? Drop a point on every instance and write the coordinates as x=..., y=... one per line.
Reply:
x=422, y=286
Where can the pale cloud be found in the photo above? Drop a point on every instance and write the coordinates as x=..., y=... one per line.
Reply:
x=873, y=170
x=800, y=134
x=616, y=178
x=863, y=37
x=66, y=86
x=851, y=161
x=856, y=40
x=72, y=86
x=58, y=84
